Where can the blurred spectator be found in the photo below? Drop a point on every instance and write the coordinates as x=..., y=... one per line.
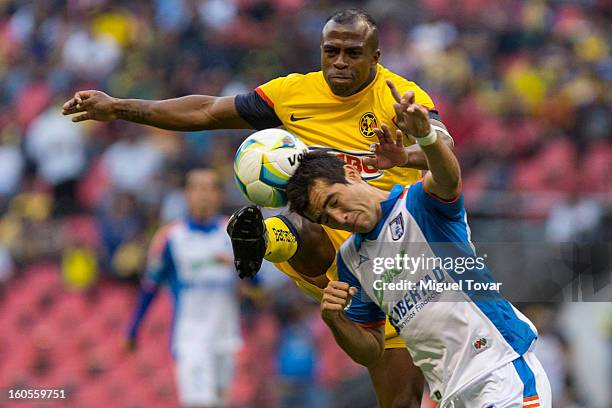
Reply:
x=57, y=148
x=88, y=55
x=120, y=224
x=7, y=267
x=297, y=357
x=133, y=164
x=12, y=163
x=574, y=219
x=79, y=267
x=551, y=350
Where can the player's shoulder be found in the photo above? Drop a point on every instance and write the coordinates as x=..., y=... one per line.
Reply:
x=295, y=82
x=295, y=78
x=164, y=234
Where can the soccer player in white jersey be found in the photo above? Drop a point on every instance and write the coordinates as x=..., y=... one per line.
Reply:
x=472, y=345
x=194, y=256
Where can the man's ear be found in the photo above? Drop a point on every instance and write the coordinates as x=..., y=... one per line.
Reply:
x=376, y=56
x=351, y=173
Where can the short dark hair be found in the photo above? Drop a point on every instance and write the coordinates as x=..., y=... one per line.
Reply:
x=352, y=15
x=317, y=165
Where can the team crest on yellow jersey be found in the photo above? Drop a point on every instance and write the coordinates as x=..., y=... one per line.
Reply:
x=367, y=123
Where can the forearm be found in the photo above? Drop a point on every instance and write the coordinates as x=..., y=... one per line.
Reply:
x=145, y=297
x=416, y=156
x=364, y=345
x=444, y=169
x=188, y=113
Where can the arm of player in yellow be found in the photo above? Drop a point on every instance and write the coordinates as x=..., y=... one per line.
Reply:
x=365, y=345
x=188, y=113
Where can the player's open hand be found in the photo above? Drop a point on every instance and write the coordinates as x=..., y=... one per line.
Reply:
x=389, y=152
x=92, y=105
x=336, y=296
x=411, y=118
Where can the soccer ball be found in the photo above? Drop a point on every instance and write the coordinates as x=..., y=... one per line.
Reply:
x=263, y=164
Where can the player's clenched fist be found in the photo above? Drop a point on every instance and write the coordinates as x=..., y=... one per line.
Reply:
x=95, y=105
x=336, y=296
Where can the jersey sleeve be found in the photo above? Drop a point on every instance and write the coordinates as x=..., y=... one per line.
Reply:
x=256, y=110
x=362, y=310
x=420, y=199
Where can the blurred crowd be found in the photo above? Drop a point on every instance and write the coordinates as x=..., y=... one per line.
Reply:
x=523, y=86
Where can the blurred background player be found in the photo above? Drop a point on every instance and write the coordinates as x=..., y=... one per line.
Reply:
x=338, y=108
x=194, y=257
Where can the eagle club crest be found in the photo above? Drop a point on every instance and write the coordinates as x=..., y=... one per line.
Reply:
x=367, y=123
x=397, y=227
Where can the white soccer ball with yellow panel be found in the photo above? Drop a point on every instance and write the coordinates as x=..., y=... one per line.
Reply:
x=263, y=164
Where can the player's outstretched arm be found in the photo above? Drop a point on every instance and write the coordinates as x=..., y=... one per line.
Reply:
x=188, y=113
x=365, y=345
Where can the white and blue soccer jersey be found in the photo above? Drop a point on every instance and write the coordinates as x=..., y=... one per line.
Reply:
x=455, y=334
x=192, y=259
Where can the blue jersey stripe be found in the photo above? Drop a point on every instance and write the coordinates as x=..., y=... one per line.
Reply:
x=527, y=377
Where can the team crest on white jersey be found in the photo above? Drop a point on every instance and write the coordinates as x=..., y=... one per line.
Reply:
x=397, y=227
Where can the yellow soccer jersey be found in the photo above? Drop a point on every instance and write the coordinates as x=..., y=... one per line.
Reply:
x=306, y=106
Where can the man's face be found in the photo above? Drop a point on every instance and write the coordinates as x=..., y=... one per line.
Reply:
x=204, y=197
x=350, y=207
x=348, y=55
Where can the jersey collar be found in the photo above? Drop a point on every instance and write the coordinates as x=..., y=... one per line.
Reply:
x=386, y=206
x=207, y=226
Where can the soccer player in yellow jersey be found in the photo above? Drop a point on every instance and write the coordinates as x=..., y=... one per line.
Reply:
x=336, y=108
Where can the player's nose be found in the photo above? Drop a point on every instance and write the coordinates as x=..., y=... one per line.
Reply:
x=340, y=62
x=338, y=216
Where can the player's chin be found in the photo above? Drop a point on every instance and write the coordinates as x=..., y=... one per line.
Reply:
x=341, y=86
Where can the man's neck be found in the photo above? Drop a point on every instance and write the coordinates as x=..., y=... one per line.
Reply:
x=373, y=72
